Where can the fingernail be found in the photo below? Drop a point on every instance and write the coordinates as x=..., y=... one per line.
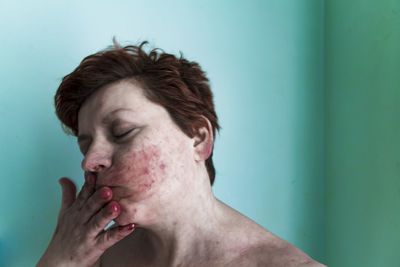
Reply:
x=115, y=207
x=106, y=193
x=128, y=227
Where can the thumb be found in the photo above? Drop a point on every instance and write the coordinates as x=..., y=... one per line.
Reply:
x=68, y=193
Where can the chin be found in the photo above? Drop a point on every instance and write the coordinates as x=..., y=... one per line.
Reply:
x=128, y=215
x=139, y=215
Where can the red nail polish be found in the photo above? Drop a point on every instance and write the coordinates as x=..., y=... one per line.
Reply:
x=128, y=227
x=115, y=207
x=106, y=193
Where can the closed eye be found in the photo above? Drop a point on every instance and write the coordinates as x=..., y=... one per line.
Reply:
x=119, y=136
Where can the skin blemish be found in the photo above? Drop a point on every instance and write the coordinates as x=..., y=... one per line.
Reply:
x=162, y=166
x=148, y=185
x=137, y=172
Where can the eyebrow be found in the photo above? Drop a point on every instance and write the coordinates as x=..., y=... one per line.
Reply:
x=105, y=120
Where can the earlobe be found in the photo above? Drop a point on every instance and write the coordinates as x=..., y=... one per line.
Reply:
x=203, y=141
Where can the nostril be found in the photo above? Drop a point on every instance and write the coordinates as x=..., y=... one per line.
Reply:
x=92, y=165
x=98, y=167
x=94, y=162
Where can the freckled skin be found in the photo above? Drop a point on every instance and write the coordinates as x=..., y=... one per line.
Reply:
x=138, y=176
x=145, y=169
x=158, y=177
x=139, y=171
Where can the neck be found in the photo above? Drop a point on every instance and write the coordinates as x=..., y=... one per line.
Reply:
x=175, y=241
x=189, y=223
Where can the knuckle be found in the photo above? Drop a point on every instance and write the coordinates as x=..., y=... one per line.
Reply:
x=113, y=236
x=99, y=222
x=77, y=234
x=103, y=240
x=80, y=200
x=96, y=224
x=107, y=212
x=85, y=191
x=82, y=195
x=109, y=238
x=91, y=206
x=98, y=199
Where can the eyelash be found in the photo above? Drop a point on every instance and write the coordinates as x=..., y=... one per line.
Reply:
x=83, y=150
x=122, y=135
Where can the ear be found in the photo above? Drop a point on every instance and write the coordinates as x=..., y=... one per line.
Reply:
x=203, y=141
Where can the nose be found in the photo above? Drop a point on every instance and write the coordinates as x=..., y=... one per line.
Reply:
x=97, y=159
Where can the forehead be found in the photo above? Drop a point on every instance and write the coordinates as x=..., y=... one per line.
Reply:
x=122, y=93
x=125, y=94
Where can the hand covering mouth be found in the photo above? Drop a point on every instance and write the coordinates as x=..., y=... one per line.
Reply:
x=98, y=186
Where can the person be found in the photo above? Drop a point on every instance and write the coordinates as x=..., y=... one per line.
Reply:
x=145, y=123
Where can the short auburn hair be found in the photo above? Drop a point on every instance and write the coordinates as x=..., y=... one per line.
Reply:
x=179, y=85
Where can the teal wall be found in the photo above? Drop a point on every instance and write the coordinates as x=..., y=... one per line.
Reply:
x=362, y=133
x=265, y=62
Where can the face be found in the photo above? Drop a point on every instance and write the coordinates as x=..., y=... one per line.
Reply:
x=132, y=145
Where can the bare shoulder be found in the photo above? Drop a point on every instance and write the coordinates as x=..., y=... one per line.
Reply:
x=274, y=251
x=285, y=255
x=260, y=247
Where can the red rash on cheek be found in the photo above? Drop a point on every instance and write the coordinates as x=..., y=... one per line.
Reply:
x=139, y=171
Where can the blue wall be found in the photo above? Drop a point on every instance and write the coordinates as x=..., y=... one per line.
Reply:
x=265, y=62
x=363, y=129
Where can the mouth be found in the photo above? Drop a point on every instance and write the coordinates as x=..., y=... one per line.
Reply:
x=95, y=176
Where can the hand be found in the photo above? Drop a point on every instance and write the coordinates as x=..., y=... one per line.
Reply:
x=79, y=238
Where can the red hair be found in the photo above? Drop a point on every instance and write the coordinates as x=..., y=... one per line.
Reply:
x=179, y=85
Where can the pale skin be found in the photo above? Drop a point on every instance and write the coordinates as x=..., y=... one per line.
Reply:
x=141, y=169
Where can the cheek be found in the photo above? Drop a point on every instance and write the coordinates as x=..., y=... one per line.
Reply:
x=140, y=172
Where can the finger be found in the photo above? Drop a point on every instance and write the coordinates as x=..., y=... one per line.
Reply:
x=87, y=190
x=98, y=222
x=113, y=235
x=68, y=193
x=95, y=203
x=114, y=225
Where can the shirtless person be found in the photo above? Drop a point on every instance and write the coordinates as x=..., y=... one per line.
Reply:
x=145, y=124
